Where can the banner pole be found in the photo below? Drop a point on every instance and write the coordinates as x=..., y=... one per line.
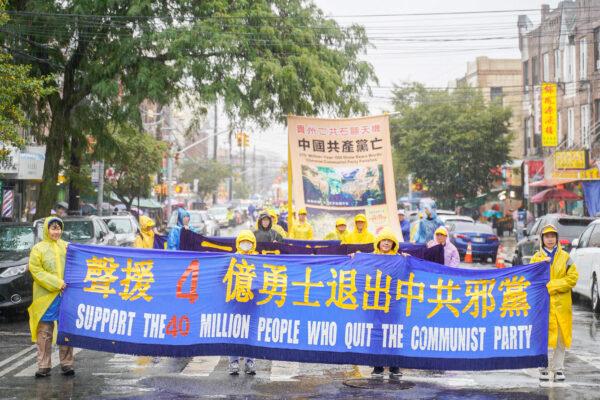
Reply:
x=290, y=217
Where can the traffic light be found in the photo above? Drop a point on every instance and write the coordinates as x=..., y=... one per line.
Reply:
x=178, y=189
x=246, y=141
x=239, y=138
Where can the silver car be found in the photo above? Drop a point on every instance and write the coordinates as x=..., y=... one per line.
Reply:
x=125, y=228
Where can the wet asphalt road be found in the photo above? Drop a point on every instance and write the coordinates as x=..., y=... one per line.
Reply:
x=114, y=376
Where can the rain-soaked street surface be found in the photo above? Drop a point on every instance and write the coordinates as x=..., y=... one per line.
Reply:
x=115, y=376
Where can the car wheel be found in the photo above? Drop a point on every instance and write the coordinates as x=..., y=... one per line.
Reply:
x=595, y=296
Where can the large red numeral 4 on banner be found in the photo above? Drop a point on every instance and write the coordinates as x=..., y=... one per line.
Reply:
x=193, y=269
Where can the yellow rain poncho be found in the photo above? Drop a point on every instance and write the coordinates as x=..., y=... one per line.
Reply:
x=336, y=234
x=386, y=233
x=301, y=230
x=145, y=239
x=563, y=277
x=363, y=237
x=277, y=228
x=245, y=235
x=47, y=267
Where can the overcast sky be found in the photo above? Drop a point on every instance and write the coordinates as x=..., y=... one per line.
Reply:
x=432, y=49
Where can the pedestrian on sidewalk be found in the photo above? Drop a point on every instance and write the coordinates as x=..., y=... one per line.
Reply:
x=563, y=277
x=47, y=266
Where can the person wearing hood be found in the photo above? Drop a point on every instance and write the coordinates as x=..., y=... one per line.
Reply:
x=183, y=222
x=275, y=223
x=404, y=225
x=451, y=256
x=47, y=266
x=340, y=232
x=145, y=237
x=245, y=244
x=386, y=243
x=427, y=226
x=265, y=231
x=563, y=277
x=360, y=234
x=301, y=230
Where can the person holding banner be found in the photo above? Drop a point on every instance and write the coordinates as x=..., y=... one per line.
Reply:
x=428, y=223
x=183, y=222
x=340, y=232
x=47, y=266
x=301, y=230
x=264, y=231
x=563, y=277
x=451, y=256
x=245, y=244
x=145, y=236
x=360, y=234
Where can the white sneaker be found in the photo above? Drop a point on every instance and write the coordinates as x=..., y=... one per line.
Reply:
x=249, y=367
x=234, y=367
x=544, y=375
x=559, y=376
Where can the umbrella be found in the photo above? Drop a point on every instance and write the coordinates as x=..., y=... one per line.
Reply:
x=555, y=194
x=492, y=213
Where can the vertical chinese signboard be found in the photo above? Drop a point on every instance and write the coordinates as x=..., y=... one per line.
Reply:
x=343, y=167
x=549, y=115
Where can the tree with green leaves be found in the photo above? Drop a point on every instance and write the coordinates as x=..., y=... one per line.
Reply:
x=210, y=175
x=451, y=139
x=264, y=59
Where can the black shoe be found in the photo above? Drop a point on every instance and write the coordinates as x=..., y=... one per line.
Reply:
x=68, y=371
x=377, y=372
x=395, y=372
x=42, y=373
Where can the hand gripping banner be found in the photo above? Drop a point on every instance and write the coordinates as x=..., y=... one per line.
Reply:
x=368, y=309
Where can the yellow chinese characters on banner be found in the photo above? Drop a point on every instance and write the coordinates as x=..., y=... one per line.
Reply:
x=549, y=115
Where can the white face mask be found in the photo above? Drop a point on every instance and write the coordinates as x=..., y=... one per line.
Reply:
x=246, y=246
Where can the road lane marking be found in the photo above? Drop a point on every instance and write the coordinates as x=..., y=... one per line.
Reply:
x=19, y=354
x=201, y=366
x=283, y=371
x=17, y=364
x=55, y=361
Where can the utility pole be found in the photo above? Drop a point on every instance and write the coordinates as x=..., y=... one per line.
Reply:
x=215, y=143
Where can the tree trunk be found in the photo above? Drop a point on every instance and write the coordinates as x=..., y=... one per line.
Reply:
x=75, y=167
x=54, y=148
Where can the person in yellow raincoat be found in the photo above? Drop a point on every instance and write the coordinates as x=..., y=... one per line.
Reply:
x=340, y=231
x=563, y=277
x=145, y=237
x=360, y=234
x=47, y=266
x=386, y=243
x=276, y=227
x=245, y=243
x=301, y=230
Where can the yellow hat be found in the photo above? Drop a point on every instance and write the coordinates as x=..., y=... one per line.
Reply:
x=360, y=218
x=302, y=211
x=340, y=221
x=441, y=231
x=549, y=229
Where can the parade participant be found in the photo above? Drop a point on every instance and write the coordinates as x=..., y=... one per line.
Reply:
x=264, y=231
x=360, y=234
x=427, y=225
x=386, y=243
x=404, y=225
x=563, y=277
x=276, y=227
x=301, y=230
x=183, y=222
x=145, y=236
x=47, y=266
x=245, y=243
x=340, y=231
x=451, y=256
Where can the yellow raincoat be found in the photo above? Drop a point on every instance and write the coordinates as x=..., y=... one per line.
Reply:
x=363, y=237
x=562, y=280
x=248, y=236
x=145, y=239
x=47, y=267
x=335, y=234
x=386, y=233
x=277, y=228
x=301, y=230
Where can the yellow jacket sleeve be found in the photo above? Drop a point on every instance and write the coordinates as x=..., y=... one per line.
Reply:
x=310, y=232
x=565, y=284
x=138, y=243
x=43, y=278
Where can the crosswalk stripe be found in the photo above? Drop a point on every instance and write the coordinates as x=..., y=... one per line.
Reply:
x=284, y=370
x=17, y=355
x=55, y=361
x=201, y=366
x=17, y=364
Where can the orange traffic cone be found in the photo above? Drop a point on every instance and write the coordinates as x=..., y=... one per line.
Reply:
x=469, y=255
x=500, y=257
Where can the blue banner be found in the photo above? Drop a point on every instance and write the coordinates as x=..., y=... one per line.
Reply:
x=368, y=309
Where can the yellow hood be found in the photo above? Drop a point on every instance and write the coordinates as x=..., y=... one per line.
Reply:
x=242, y=236
x=340, y=221
x=273, y=216
x=47, y=221
x=386, y=233
x=146, y=237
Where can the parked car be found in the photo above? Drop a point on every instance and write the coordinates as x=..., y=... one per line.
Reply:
x=448, y=219
x=124, y=226
x=201, y=221
x=569, y=228
x=220, y=215
x=484, y=242
x=16, y=241
x=82, y=229
x=585, y=253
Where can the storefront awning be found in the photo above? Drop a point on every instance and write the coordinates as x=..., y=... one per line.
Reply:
x=551, y=182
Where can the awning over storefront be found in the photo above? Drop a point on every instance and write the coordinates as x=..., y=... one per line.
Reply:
x=549, y=182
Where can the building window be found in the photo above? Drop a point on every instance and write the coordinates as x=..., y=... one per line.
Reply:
x=570, y=64
x=597, y=49
x=546, y=66
x=557, y=65
x=570, y=127
x=496, y=94
x=583, y=59
x=597, y=110
x=535, y=71
x=585, y=125
x=525, y=74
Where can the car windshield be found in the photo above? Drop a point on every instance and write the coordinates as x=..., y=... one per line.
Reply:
x=460, y=226
x=79, y=230
x=16, y=238
x=571, y=227
x=119, y=225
